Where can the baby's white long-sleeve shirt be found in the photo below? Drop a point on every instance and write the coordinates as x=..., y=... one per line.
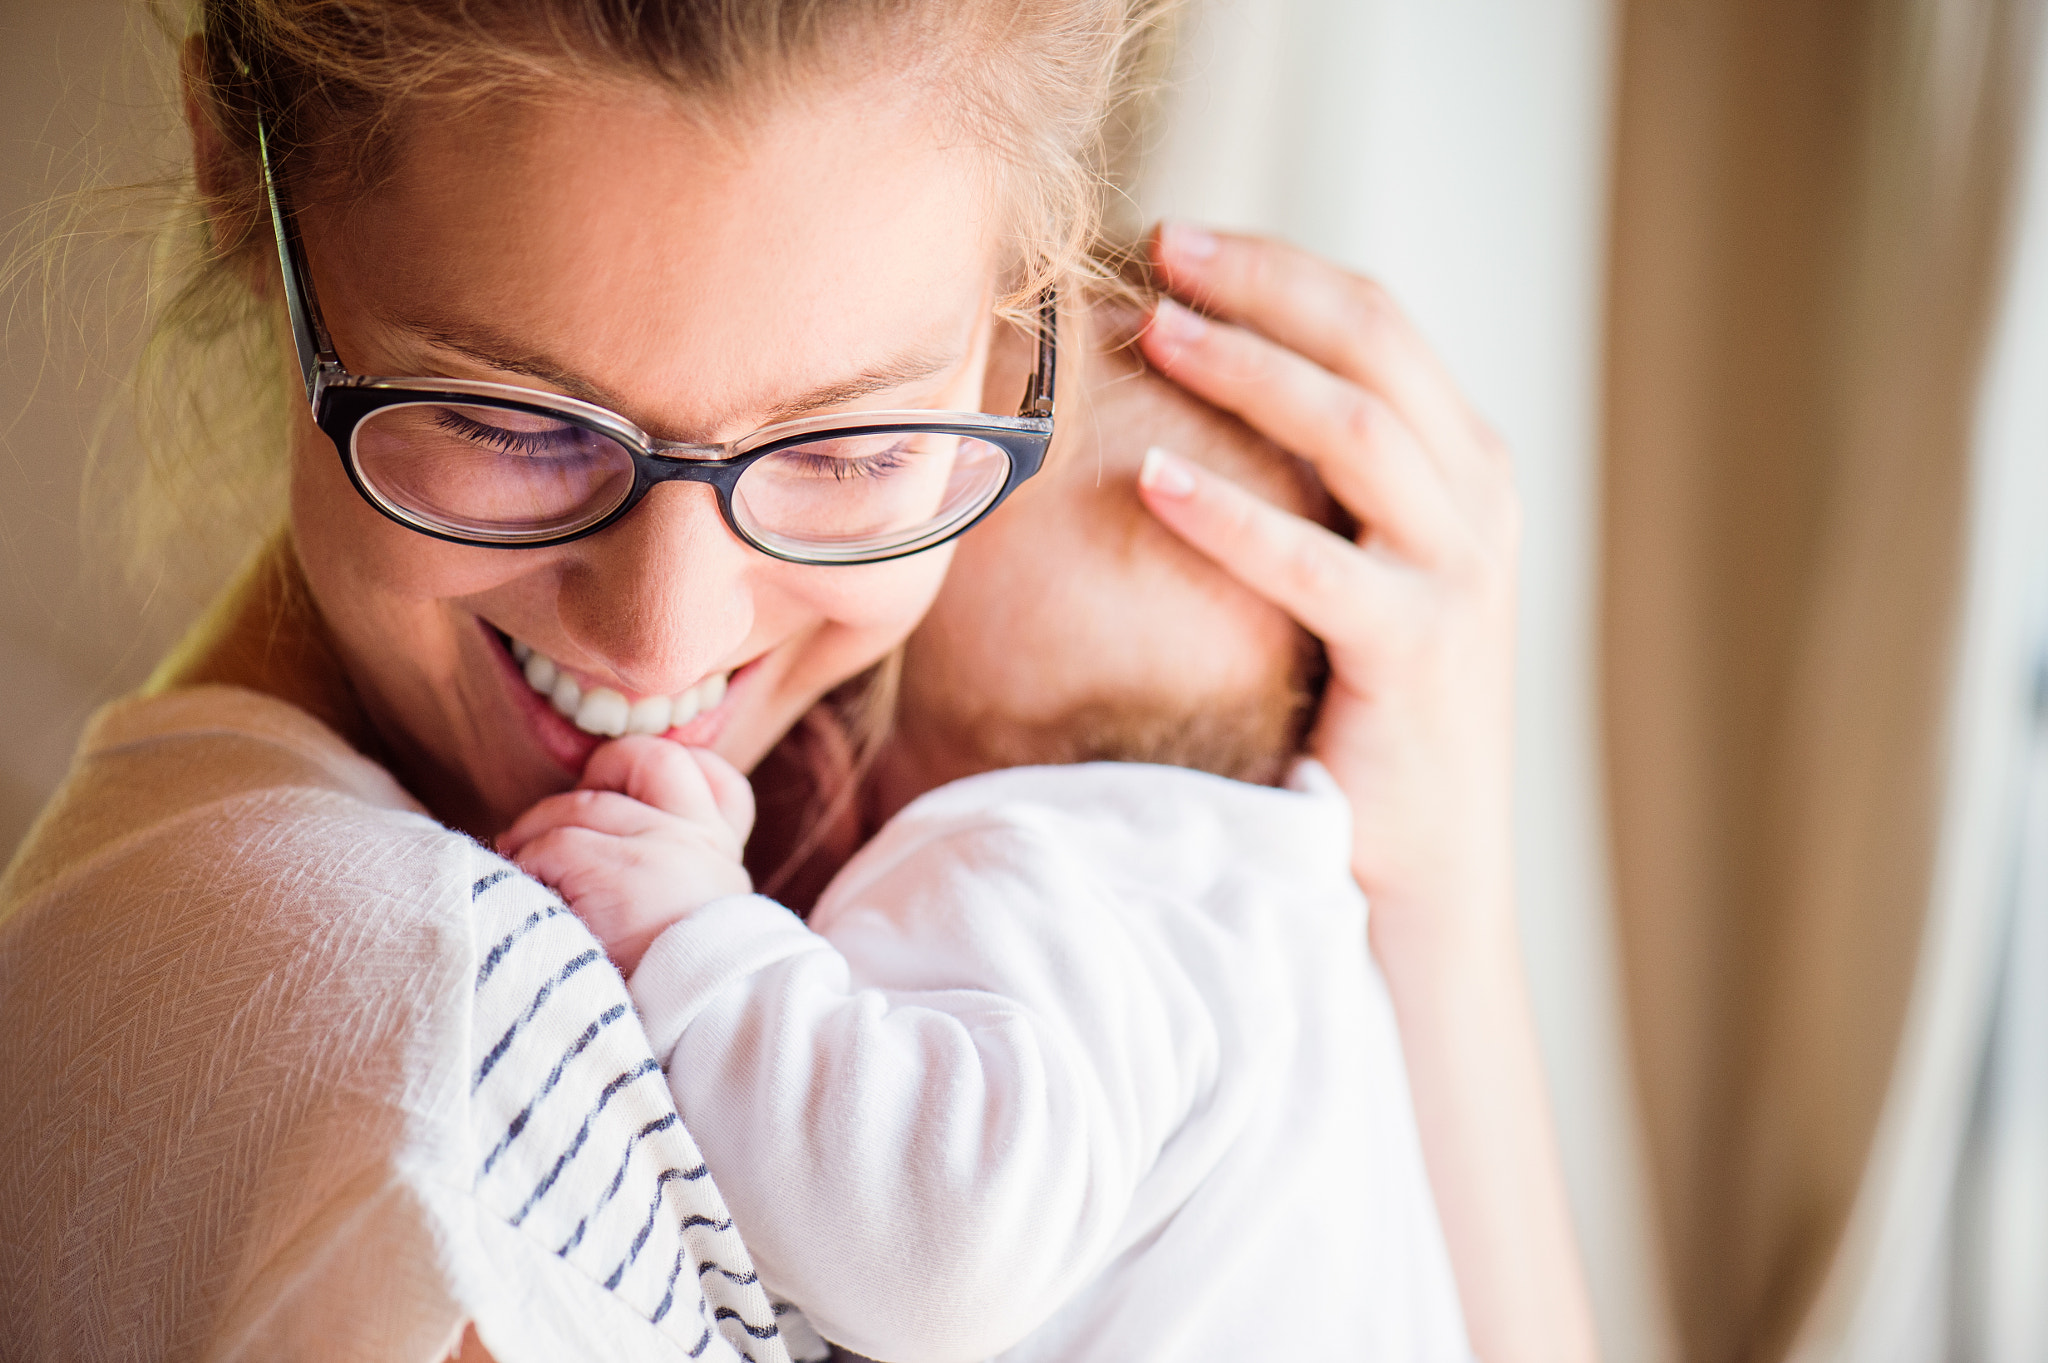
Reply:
x=1073, y=1063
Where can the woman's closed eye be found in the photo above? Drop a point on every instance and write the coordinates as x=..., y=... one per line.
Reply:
x=555, y=439
x=822, y=461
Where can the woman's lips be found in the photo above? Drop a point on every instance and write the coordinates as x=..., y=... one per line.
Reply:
x=571, y=720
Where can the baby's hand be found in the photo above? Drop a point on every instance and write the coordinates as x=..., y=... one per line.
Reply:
x=652, y=832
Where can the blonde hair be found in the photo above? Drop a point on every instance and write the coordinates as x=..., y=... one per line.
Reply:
x=1046, y=85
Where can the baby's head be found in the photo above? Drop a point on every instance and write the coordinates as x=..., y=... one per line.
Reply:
x=1073, y=627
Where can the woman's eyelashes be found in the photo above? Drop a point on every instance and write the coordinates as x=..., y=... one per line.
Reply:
x=556, y=438
x=846, y=468
x=553, y=438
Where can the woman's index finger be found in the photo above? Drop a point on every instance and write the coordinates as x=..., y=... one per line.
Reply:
x=1344, y=322
x=1321, y=579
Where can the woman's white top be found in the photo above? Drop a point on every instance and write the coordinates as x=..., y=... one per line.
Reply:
x=292, y=1072
x=1071, y=1063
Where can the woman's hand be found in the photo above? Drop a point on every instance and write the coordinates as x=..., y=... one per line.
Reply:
x=1417, y=615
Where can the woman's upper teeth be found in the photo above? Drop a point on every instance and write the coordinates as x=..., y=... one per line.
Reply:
x=608, y=713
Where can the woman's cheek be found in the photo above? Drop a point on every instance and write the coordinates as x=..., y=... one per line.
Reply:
x=807, y=611
x=375, y=556
x=836, y=622
x=886, y=598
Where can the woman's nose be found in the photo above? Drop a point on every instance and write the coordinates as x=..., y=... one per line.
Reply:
x=662, y=596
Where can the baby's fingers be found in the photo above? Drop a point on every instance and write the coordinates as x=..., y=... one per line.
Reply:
x=730, y=790
x=666, y=775
x=574, y=860
x=600, y=811
x=1332, y=587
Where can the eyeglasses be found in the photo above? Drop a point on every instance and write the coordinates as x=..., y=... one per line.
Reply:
x=503, y=466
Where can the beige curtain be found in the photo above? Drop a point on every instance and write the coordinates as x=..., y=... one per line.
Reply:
x=1808, y=210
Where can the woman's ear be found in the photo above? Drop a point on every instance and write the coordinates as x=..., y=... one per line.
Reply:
x=226, y=180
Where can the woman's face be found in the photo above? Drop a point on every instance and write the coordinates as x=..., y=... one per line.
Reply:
x=704, y=281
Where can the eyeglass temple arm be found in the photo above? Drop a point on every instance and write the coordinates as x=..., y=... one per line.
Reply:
x=309, y=331
x=1038, y=392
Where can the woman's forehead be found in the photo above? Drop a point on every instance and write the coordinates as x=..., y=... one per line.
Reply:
x=735, y=268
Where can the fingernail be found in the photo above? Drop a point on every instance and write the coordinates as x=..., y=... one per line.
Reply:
x=1182, y=326
x=1190, y=244
x=1164, y=474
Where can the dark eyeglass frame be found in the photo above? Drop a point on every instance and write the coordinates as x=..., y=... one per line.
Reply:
x=340, y=401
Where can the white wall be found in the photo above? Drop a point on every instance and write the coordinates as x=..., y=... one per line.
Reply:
x=1457, y=150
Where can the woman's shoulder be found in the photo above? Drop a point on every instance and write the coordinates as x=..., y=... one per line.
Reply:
x=216, y=856
x=222, y=953
x=219, y=872
x=246, y=786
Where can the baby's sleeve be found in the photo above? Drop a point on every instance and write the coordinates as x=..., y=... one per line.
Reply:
x=931, y=1120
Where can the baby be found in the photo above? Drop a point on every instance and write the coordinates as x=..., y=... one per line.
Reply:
x=1083, y=1056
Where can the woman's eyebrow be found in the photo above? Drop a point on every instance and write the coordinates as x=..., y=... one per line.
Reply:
x=912, y=367
x=496, y=352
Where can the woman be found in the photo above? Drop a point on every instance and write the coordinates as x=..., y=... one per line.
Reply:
x=287, y=1038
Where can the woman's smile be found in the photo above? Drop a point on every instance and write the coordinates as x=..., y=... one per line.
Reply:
x=571, y=711
x=598, y=709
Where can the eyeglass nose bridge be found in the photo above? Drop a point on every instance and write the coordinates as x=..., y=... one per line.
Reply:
x=675, y=461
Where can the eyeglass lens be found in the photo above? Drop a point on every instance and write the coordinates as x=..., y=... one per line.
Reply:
x=491, y=471
x=495, y=473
